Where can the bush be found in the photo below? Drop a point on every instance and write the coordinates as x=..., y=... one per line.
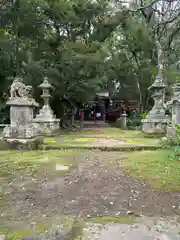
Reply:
x=143, y=115
x=175, y=153
x=136, y=122
x=167, y=142
x=173, y=143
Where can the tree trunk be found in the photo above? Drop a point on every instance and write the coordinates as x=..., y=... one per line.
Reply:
x=73, y=116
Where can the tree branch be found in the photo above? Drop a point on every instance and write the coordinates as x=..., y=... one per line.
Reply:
x=172, y=35
x=170, y=20
x=142, y=6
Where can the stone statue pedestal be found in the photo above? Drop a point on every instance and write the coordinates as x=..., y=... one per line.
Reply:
x=21, y=130
x=46, y=121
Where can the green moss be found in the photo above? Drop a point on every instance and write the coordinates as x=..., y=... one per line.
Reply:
x=125, y=220
x=152, y=135
x=106, y=130
x=42, y=228
x=156, y=167
x=14, y=162
x=48, y=141
x=19, y=234
x=143, y=141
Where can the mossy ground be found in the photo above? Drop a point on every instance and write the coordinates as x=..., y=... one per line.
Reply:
x=14, y=163
x=87, y=138
x=156, y=167
x=105, y=220
x=39, y=228
x=105, y=131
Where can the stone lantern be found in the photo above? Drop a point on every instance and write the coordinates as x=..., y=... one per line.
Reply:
x=174, y=106
x=46, y=121
x=156, y=120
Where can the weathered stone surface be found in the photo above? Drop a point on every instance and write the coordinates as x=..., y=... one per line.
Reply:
x=3, y=237
x=154, y=125
x=156, y=121
x=166, y=236
x=122, y=121
x=171, y=131
x=21, y=128
x=148, y=237
x=46, y=121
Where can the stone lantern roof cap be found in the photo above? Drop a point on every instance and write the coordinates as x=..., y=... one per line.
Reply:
x=158, y=84
x=176, y=87
x=45, y=84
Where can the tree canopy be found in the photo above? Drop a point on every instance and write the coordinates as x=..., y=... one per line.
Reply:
x=85, y=46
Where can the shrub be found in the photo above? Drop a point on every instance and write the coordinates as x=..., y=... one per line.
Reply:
x=167, y=142
x=143, y=115
x=136, y=122
x=173, y=143
x=175, y=153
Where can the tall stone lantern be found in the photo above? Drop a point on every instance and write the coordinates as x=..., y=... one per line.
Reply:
x=174, y=107
x=156, y=120
x=46, y=121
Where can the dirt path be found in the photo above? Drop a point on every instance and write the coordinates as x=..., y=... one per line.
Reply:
x=98, y=186
x=93, y=189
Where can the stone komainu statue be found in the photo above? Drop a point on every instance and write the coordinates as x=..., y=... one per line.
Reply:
x=28, y=91
x=19, y=89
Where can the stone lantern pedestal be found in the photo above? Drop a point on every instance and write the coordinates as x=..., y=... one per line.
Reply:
x=122, y=121
x=174, y=106
x=46, y=121
x=21, y=130
x=156, y=121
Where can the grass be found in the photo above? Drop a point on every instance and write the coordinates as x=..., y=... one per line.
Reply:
x=156, y=167
x=108, y=131
x=105, y=220
x=16, y=233
x=29, y=162
x=87, y=140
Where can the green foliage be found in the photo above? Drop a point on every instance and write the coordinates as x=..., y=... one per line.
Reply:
x=173, y=143
x=156, y=168
x=143, y=115
x=83, y=47
x=61, y=39
x=167, y=142
x=175, y=153
x=135, y=122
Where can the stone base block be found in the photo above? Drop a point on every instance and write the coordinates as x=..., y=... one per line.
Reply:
x=121, y=122
x=20, y=131
x=30, y=144
x=47, y=128
x=158, y=126
x=171, y=132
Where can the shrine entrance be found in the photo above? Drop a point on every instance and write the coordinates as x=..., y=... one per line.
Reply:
x=96, y=110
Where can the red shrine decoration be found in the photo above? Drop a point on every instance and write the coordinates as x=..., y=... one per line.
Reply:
x=94, y=116
x=82, y=115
